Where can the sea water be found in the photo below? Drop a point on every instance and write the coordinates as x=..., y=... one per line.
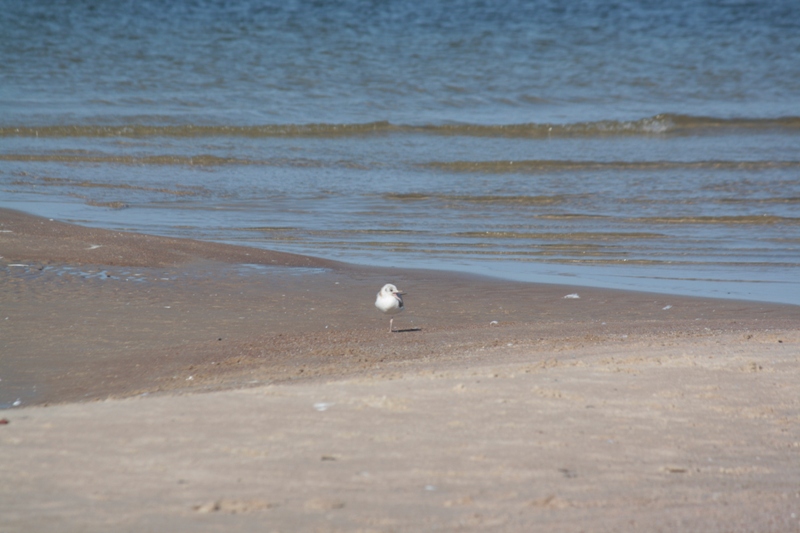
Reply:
x=630, y=144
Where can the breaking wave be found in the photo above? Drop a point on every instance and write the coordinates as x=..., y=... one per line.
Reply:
x=662, y=124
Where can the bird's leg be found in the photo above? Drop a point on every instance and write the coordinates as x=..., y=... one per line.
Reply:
x=390, y=324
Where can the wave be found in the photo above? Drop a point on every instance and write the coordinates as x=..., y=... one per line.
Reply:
x=770, y=200
x=453, y=200
x=677, y=220
x=662, y=124
x=534, y=166
x=485, y=199
x=594, y=236
x=192, y=130
x=202, y=160
x=486, y=167
x=180, y=190
x=743, y=219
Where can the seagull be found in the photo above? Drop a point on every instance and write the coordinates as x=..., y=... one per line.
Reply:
x=390, y=301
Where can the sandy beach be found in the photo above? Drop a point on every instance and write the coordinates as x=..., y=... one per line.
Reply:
x=174, y=385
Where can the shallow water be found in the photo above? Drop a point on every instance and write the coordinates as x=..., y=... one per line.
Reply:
x=623, y=144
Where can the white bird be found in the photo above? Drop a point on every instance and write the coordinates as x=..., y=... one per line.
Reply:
x=390, y=301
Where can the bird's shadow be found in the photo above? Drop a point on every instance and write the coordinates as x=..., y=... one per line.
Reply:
x=407, y=330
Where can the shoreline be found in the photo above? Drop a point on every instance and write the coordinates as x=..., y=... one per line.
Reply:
x=141, y=309
x=707, y=280
x=165, y=386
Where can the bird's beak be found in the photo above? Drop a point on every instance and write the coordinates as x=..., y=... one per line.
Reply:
x=400, y=292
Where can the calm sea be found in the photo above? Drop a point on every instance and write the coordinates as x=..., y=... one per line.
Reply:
x=644, y=145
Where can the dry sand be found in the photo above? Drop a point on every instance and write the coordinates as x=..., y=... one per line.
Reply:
x=175, y=385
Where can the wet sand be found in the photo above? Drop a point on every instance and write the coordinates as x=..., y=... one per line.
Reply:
x=169, y=384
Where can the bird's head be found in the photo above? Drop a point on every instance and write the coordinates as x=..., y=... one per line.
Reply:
x=391, y=289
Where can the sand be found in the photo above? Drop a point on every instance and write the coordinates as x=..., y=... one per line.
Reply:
x=175, y=385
